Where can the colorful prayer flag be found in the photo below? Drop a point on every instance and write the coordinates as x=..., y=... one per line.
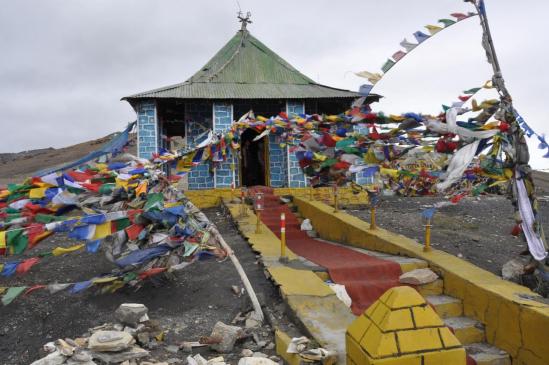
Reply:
x=408, y=45
x=446, y=22
x=433, y=29
x=420, y=36
x=387, y=65
x=397, y=56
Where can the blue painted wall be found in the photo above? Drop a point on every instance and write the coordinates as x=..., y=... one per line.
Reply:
x=297, y=178
x=147, y=130
x=277, y=163
x=223, y=118
x=199, y=119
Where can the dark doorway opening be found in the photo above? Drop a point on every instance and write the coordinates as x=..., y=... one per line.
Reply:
x=252, y=159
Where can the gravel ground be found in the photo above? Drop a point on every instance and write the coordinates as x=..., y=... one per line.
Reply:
x=476, y=229
x=187, y=308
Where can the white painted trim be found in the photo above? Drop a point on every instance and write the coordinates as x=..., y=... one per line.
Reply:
x=213, y=129
x=288, y=176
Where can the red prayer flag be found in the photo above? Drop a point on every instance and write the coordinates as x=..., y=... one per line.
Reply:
x=33, y=288
x=459, y=16
x=25, y=265
x=151, y=272
x=397, y=56
x=464, y=98
x=133, y=231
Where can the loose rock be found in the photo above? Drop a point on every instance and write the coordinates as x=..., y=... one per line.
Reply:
x=418, y=277
x=110, y=341
x=228, y=336
x=256, y=361
x=131, y=314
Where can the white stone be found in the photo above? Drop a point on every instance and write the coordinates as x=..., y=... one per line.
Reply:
x=256, y=361
x=110, y=341
x=55, y=358
x=512, y=270
x=306, y=225
x=228, y=335
x=246, y=353
x=131, y=313
x=117, y=357
x=418, y=277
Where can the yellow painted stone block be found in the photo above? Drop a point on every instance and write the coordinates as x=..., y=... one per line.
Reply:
x=402, y=297
x=446, y=357
x=372, y=308
x=380, y=312
x=449, y=340
x=419, y=340
x=358, y=328
x=425, y=316
x=401, y=360
x=508, y=332
x=400, y=319
x=355, y=352
x=378, y=344
x=470, y=334
x=434, y=288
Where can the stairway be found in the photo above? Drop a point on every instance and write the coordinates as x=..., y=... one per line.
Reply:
x=470, y=332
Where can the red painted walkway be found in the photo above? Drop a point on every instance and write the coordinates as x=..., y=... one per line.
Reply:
x=365, y=277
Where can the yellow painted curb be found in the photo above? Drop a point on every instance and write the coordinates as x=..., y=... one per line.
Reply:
x=299, y=282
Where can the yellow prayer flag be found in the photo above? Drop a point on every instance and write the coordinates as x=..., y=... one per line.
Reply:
x=3, y=289
x=106, y=279
x=58, y=251
x=397, y=118
x=433, y=29
x=37, y=193
x=2, y=239
x=102, y=230
x=390, y=172
x=488, y=85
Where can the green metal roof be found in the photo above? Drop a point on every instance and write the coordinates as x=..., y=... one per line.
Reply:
x=246, y=69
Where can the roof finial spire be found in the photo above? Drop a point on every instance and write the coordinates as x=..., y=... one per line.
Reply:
x=244, y=19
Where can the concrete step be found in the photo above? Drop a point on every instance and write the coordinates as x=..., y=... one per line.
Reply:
x=445, y=306
x=434, y=288
x=485, y=354
x=467, y=330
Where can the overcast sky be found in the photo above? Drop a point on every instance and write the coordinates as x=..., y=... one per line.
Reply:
x=64, y=65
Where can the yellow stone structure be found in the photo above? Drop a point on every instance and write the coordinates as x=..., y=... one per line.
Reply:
x=401, y=328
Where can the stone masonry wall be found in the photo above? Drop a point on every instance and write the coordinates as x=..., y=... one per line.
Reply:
x=199, y=119
x=147, y=129
x=223, y=118
x=297, y=178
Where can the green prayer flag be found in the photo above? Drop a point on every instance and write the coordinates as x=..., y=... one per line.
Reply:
x=17, y=240
x=446, y=22
x=387, y=65
x=122, y=223
x=106, y=189
x=154, y=201
x=12, y=293
x=472, y=91
x=445, y=107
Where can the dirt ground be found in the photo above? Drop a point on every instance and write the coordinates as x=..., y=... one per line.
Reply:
x=186, y=308
x=476, y=229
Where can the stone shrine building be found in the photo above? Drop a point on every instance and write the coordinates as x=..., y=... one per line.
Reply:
x=244, y=75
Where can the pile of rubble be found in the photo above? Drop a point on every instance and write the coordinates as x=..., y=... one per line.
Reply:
x=131, y=340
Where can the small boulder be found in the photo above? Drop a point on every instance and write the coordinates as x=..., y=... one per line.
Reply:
x=227, y=335
x=110, y=341
x=131, y=314
x=418, y=277
x=512, y=270
x=256, y=361
x=55, y=358
x=118, y=357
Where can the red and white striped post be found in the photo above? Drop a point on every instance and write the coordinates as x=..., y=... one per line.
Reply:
x=283, y=256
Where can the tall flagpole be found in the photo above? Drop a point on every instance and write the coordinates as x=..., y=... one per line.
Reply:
x=523, y=200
